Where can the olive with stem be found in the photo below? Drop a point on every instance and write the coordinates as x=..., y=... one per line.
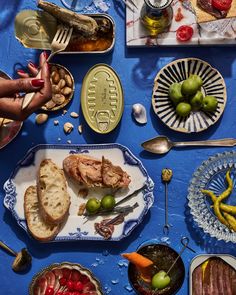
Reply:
x=166, y=176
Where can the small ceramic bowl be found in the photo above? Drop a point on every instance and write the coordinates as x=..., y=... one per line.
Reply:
x=74, y=273
x=61, y=78
x=163, y=256
x=178, y=71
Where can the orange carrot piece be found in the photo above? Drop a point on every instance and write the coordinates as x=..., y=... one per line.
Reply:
x=138, y=259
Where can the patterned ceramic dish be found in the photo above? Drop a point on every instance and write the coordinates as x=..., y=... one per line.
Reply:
x=211, y=175
x=76, y=228
x=75, y=277
x=177, y=71
x=9, y=131
x=60, y=70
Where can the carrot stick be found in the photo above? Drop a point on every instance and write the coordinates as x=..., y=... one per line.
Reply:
x=137, y=259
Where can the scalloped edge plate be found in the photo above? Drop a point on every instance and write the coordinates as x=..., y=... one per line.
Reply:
x=75, y=228
x=177, y=71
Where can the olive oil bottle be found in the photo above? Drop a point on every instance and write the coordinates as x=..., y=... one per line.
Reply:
x=156, y=16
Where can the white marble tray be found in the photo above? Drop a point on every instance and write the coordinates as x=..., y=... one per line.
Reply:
x=220, y=32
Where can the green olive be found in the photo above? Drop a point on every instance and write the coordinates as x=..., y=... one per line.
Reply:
x=93, y=205
x=175, y=93
x=209, y=103
x=160, y=280
x=197, y=79
x=196, y=101
x=183, y=109
x=189, y=87
x=108, y=202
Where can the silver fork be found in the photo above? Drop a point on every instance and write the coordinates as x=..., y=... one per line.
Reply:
x=59, y=43
x=130, y=4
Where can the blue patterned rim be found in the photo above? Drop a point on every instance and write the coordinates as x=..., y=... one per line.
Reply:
x=11, y=194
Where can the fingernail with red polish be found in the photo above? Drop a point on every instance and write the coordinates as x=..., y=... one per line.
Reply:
x=33, y=65
x=45, y=54
x=20, y=72
x=37, y=82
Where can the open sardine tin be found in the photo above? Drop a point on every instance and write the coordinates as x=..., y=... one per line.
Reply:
x=200, y=259
x=36, y=29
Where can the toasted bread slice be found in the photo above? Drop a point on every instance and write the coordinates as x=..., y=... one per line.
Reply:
x=204, y=16
x=38, y=228
x=52, y=192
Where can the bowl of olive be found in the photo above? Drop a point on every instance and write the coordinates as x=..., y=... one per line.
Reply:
x=163, y=257
x=189, y=95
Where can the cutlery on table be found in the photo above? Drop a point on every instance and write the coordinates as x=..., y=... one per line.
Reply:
x=23, y=258
x=130, y=4
x=166, y=176
x=59, y=43
x=162, y=144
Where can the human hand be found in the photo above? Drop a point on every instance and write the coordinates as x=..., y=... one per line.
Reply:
x=11, y=102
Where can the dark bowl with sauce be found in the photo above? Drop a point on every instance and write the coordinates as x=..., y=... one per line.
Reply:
x=163, y=256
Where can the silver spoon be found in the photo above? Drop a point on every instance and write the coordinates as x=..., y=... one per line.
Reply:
x=162, y=144
x=23, y=258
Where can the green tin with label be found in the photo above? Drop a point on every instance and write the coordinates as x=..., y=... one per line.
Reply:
x=102, y=98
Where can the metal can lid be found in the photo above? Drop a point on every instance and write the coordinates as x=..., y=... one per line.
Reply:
x=102, y=99
x=35, y=29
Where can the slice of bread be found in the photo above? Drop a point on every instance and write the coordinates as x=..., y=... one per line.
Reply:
x=204, y=16
x=52, y=192
x=38, y=228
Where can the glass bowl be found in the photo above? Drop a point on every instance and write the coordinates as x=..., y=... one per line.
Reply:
x=211, y=176
x=163, y=256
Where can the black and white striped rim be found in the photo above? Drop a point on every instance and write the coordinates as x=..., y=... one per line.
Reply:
x=177, y=71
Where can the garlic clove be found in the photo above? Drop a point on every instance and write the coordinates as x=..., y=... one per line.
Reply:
x=41, y=118
x=139, y=113
x=68, y=127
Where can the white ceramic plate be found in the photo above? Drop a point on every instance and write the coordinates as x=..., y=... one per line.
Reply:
x=25, y=172
x=177, y=71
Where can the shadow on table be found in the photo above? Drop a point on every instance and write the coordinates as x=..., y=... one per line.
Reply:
x=205, y=241
x=41, y=250
x=152, y=59
x=8, y=12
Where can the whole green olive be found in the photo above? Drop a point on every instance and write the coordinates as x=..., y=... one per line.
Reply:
x=209, y=103
x=196, y=101
x=189, y=87
x=175, y=93
x=197, y=79
x=183, y=109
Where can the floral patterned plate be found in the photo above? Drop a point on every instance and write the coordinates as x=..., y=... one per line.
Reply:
x=211, y=176
x=76, y=227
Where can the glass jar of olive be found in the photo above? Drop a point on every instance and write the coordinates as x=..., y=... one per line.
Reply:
x=156, y=16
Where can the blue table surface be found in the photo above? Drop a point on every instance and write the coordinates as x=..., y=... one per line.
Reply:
x=136, y=68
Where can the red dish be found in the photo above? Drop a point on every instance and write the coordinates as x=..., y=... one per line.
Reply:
x=65, y=279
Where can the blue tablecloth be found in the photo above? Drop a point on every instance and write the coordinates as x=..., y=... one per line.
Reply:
x=137, y=69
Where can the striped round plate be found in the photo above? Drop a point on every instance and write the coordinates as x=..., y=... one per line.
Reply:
x=177, y=71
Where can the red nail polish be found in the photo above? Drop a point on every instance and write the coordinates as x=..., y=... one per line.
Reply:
x=33, y=65
x=45, y=54
x=37, y=82
x=20, y=72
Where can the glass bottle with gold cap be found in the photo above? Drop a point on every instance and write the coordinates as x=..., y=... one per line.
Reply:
x=156, y=16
